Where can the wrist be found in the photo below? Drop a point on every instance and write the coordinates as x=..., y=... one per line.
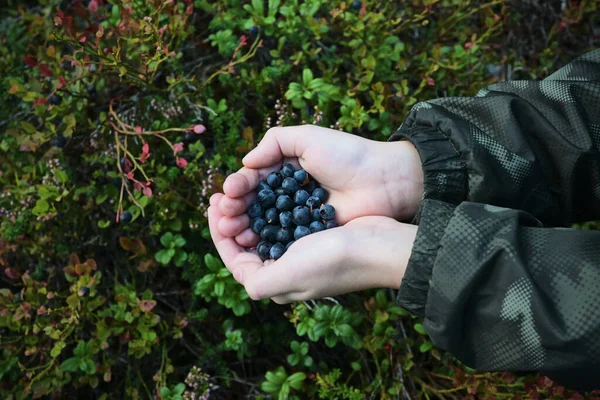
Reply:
x=404, y=178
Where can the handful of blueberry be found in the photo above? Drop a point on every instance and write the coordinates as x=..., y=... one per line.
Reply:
x=289, y=206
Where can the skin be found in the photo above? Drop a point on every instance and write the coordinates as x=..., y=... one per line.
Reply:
x=372, y=185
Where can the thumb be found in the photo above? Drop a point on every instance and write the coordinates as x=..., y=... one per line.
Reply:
x=279, y=143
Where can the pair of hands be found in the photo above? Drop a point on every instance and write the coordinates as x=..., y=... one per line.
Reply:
x=371, y=185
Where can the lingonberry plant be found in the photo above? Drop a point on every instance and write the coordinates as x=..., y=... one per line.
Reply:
x=120, y=118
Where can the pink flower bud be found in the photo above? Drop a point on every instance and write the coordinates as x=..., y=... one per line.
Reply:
x=181, y=162
x=199, y=129
x=147, y=192
x=177, y=148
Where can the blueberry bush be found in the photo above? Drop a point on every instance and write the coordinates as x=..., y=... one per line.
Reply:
x=120, y=118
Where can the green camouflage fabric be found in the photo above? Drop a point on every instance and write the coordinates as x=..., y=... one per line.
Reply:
x=501, y=281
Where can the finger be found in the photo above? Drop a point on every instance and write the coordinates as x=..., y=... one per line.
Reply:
x=246, y=179
x=215, y=199
x=233, y=226
x=227, y=247
x=247, y=238
x=234, y=206
x=279, y=143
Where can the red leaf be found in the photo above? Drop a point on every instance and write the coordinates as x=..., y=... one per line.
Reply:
x=10, y=273
x=45, y=71
x=31, y=61
x=61, y=82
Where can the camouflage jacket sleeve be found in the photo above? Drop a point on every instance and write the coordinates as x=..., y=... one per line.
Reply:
x=499, y=280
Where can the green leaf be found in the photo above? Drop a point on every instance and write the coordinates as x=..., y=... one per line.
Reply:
x=296, y=380
x=284, y=392
x=419, y=328
x=70, y=364
x=80, y=350
x=425, y=347
x=269, y=387
x=307, y=77
x=219, y=288
x=277, y=377
x=293, y=359
x=103, y=224
x=179, y=241
x=41, y=207
x=345, y=330
x=212, y=263
x=180, y=258
x=175, y=225
x=163, y=256
x=166, y=239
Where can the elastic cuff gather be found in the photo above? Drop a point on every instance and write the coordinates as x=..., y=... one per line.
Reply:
x=412, y=295
x=444, y=172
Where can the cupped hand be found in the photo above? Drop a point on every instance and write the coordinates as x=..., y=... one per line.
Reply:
x=367, y=252
x=363, y=177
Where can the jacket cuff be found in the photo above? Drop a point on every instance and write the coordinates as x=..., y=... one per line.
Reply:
x=444, y=172
x=414, y=288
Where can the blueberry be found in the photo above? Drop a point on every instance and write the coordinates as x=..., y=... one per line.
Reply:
x=277, y=251
x=126, y=217
x=289, y=244
x=263, y=249
x=300, y=232
x=253, y=30
x=316, y=214
x=262, y=185
x=313, y=202
x=356, y=5
x=266, y=198
x=285, y=219
x=290, y=186
x=301, y=196
x=272, y=216
x=117, y=182
x=331, y=224
x=279, y=191
x=258, y=225
x=255, y=210
x=55, y=99
x=301, y=215
x=287, y=170
x=274, y=179
x=301, y=176
x=84, y=291
x=91, y=90
x=285, y=203
x=327, y=212
x=310, y=186
x=316, y=226
x=58, y=141
x=285, y=235
x=269, y=233
x=321, y=194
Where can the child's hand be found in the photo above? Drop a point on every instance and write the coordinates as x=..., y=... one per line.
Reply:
x=368, y=252
x=363, y=177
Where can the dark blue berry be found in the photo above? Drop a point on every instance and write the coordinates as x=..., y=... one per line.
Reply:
x=316, y=226
x=301, y=176
x=255, y=210
x=356, y=5
x=327, y=212
x=279, y=191
x=58, y=141
x=117, y=182
x=289, y=244
x=262, y=185
x=301, y=196
x=274, y=179
x=301, y=215
x=285, y=203
x=331, y=224
x=285, y=235
x=266, y=198
x=290, y=186
x=84, y=291
x=321, y=194
x=285, y=219
x=126, y=217
x=316, y=215
x=258, y=225
x=269, y=233
x=55, y=99
x=263, y=249
x=310, y=186
x=272, y=216
x=300, y=232
x=277, y=251
x=313, y=202
x=287, y=170
x=253, y=30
